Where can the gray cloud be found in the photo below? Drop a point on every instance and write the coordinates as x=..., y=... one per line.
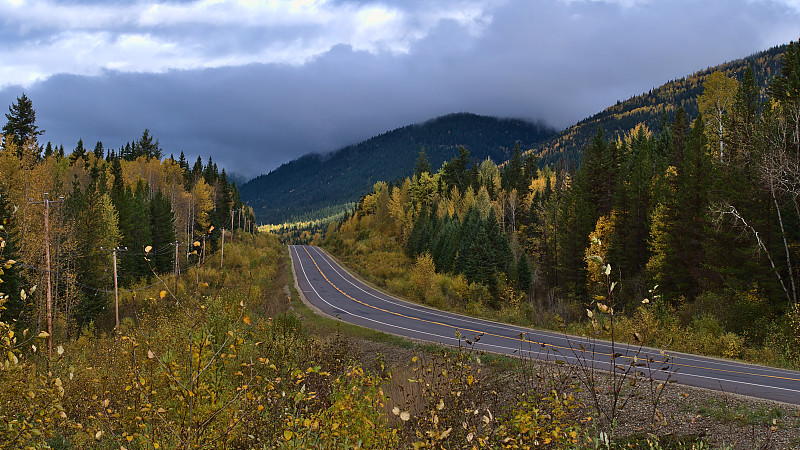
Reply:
x=558, y=61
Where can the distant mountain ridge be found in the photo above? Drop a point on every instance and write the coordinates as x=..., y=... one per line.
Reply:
x=317, y=185
x=649, y=108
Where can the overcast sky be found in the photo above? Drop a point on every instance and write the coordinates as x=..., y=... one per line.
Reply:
x=254, y=84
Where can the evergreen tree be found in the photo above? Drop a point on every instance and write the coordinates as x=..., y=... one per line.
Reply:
x=512, y=176
x=210, y=173
x=21, y=122
x=99, y=152
x=629, y=250
x=79, y=153
x=135, y=225
x=455, y=173
x=422, y=165
x=524, y=276
x=680, y=130
x=197, y=171
x=96, y=230
x=785, y=89
x=679, y=227
x=48, y=150
x=162, y=232
x=148, y=147
x=746, y=106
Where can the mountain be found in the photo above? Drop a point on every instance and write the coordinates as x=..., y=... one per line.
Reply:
x=316, y=185
x=649, y=108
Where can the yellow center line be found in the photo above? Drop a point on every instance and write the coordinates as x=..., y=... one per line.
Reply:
x=523, y=340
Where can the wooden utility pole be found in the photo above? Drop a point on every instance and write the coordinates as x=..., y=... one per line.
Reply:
x=222, y=251
x=177, y=270
x=49, y=312
x=116, y=288
x=177, y=267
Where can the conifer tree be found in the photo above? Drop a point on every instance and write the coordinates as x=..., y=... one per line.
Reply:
x=99, y=152
x=148, y=147
x=162, y=232
x=79, y=153
x=524, y=276
x=455, y=171
x=21, y=122
x=422, y=165
x=512, y=177
x=785, y=89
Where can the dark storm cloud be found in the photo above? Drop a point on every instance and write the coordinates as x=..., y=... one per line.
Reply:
x=557, y=61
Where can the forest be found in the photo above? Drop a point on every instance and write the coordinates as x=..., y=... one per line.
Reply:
x=319, y=186
x=690, y=231
x=648, y=108
x=99, y=209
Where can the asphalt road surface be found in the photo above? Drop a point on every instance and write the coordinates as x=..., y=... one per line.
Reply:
x=334, y=291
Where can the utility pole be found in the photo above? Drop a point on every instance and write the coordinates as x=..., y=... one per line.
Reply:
x=116, y=288
x=222, y=251
x=177, y=267
x=177, y=270
x=49, y=312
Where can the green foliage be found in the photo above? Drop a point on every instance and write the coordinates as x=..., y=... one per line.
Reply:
x=649, y=108
x=21, y=122
x=315, y=182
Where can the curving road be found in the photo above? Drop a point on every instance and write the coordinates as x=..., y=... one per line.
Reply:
x=333, y=291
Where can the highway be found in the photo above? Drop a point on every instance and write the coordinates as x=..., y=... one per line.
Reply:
x=333, y=291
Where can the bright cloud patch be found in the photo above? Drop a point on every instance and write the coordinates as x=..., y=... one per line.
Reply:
x=42, y=37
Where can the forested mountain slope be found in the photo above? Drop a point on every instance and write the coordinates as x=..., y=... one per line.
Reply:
x=325, y=183
x=649, y=108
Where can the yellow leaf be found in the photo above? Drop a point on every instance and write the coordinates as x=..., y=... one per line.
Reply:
x=287, y=434
x=246, y=320
x=155, y=445
x=196, y=243
x=150, y=354
x=405, y=416
x=162, y=294
x=43, y=334
x=148, y=249
x=60, y=350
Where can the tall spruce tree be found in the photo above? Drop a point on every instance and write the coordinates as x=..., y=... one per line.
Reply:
x=162, y=233
x=422, y=164
x=21, y=122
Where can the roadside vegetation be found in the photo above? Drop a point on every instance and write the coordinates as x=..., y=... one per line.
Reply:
x=695, y=223
x=228, y=357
